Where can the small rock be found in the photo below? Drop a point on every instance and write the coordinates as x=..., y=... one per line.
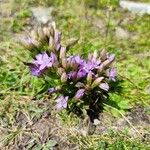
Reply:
x=96, y=122
x=99, y=23
x=122, y=34
x=136, y=7
x=42, y=14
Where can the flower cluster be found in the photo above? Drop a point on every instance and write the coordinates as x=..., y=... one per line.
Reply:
x=80, y=80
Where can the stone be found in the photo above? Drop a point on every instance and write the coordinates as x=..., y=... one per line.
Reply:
x=135, y=7
x=122, y=34
x=42, y=14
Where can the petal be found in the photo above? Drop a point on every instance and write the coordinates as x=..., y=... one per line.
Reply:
x=42, y=66
x=45, y=56
x=104, y=86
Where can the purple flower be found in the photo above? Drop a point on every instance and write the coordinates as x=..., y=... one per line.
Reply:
x=61, y=102
x=35, y=70
x=111, y=57
x=79, y=94
x=112, y=73
x=90, y=65
x=81, y=73
x=54, y=89
x=72, y=75
x=75, y=61
x=54, y=59
x=43, y=61
x=104, y=86
x=79, y=60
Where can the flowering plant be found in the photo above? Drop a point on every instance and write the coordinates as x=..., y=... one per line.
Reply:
x=77, y=81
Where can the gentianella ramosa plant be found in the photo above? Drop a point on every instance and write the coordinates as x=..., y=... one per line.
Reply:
x=77, y=82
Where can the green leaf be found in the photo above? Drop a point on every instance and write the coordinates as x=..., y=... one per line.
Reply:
x=50, y=144
x=124, y=105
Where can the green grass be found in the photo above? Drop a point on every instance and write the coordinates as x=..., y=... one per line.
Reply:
x=20, y=92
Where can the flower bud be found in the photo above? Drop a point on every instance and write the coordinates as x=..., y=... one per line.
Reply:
x=79, y=85
x=95, y=54
x=103, y=55
x=57, y=37
x=72, y=75
x=64, y=77
x=47, y=32
x=64, y=63
x=53, y=25
x=41, y=34
x=106, y=63
x=54, y=59
x=79, y=94
x=112, y=73
x=111, y=58
x=36, y=43
x=27, y=42
x=72, y=62
x=89, y=78
x=60, y=71
x=34, y=35
x=71, y=42
x=89, y=56
x=51, y=42
x=104, y=86
x=97, y=82
x=62, y=52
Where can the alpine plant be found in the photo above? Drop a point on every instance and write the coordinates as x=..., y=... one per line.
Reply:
x=77, y=81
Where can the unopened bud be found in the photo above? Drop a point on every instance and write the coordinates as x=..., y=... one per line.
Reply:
x=51, y=42
x=41, y=34
x=79, y=94
x=64, y=77
x=27, y=42
x=71, y=42
x=62, y=52
x=57, y=37
x=111, y=58
x=79, y=85
x=60, y=71
x=47, y=32
x=97, y=82
x=34, y=35
x=95, y=54
x=64, y=63
x=103, y=55
x=104, y=86
x=89, y=78
x=72, y=62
